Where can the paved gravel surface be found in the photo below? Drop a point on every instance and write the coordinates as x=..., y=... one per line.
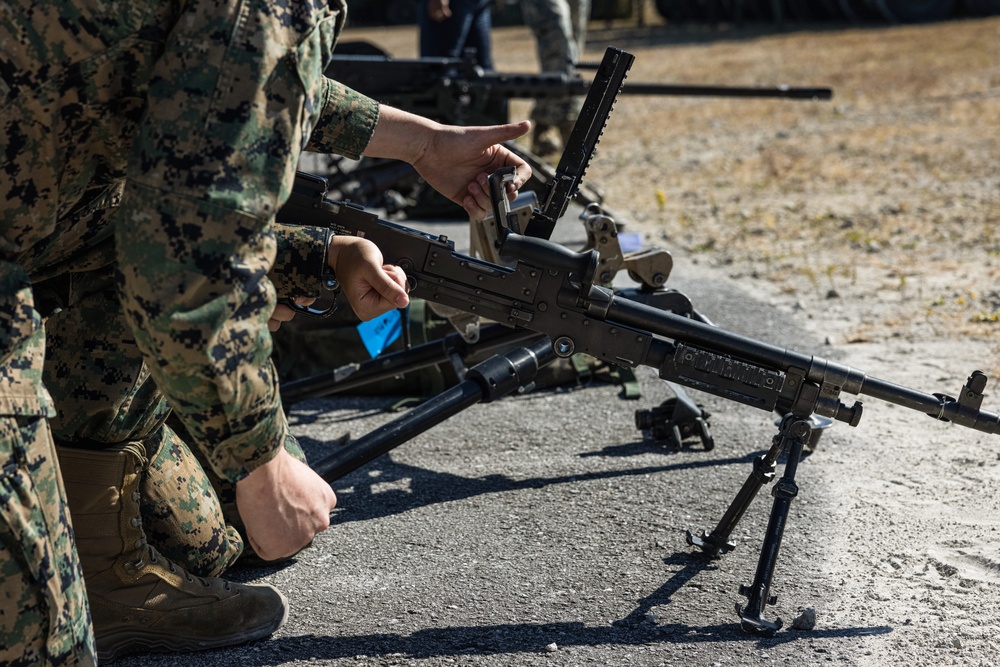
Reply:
x=543, y=530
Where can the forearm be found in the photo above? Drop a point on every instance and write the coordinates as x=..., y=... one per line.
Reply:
x=401, y=135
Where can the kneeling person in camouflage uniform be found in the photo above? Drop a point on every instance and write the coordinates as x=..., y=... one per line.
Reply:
x=147, y=147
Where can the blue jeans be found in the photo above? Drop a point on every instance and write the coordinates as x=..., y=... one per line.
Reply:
x=468, y=27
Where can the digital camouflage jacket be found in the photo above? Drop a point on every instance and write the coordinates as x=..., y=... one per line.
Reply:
x=161, y=136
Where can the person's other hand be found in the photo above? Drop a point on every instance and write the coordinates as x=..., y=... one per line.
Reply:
x=284, y=505
x=285, y=313
x=371, y=286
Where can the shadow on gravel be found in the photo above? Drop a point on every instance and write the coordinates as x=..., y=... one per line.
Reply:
x=372, y=495
x=456, y=642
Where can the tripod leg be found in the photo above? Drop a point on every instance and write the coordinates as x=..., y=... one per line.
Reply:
x=717, y=542
x=795, y=433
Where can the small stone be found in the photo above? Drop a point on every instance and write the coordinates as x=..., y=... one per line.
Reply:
x=552, y=648
x=806, y=620
x=956, y=642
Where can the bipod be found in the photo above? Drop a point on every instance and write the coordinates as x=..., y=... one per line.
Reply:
x=488, y=380
x=793, y=434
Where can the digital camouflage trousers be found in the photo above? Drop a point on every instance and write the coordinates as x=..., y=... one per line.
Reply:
x=560, y=28
x=44, y=617
x=104, y=396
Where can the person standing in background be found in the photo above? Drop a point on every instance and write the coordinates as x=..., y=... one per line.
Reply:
x=449, y=27
x=560, y=29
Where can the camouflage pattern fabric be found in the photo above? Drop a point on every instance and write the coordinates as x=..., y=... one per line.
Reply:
x=44, y=618
x=105, y=396
x=182, y=514
x=200, y=109
x=156, y=140
x=560, y=29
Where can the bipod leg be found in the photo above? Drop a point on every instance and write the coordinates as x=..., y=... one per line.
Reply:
x=717, y=542
x=794, y=434
x=488, y=380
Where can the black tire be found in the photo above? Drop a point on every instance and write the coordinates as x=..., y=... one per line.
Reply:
x=756, y=10
x=359, y=48
x=832, y=10
x=803, y=10
x=400, y=12
x=677, y=11
x=916, y=11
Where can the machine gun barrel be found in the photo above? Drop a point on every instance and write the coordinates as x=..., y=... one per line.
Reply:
x=695, y=90
x=721, y=351
x=551, y=293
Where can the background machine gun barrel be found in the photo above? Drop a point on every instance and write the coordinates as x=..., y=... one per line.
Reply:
x=459, y=92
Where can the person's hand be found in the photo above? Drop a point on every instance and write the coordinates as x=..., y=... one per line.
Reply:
x=284, y=505
x=439, y=10
x=285, y=313
x=458, y=161
x=371, y=286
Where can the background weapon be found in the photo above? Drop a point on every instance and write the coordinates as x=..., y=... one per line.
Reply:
x=459, y=92
x=548, y=289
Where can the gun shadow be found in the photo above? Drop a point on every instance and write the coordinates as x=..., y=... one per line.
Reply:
x=520, y=638
x=385, y=487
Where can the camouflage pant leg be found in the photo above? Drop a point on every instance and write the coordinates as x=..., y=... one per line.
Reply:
x=44, y=616
x=105, y=396
x=225, y=490
x=182, y=513
x=552, y=22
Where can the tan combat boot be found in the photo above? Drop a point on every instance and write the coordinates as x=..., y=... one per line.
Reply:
x=141, y=601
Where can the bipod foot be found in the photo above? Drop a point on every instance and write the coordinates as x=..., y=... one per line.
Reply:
x=675, y=420
x=717, y=542
x=752, y=619
x=711, y=544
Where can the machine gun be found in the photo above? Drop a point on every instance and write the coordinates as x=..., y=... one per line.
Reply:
x=459, y=92
x=554, y=292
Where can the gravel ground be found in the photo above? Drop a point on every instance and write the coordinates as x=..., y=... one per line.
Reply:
x=543, y=529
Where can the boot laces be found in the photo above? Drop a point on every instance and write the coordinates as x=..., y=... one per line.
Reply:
x=154, y=556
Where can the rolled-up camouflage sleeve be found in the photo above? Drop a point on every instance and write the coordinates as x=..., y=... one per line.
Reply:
x=301, y=260
x=231, y=103
x=347, y=121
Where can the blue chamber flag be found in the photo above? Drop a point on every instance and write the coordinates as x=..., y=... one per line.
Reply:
x=379, y=333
